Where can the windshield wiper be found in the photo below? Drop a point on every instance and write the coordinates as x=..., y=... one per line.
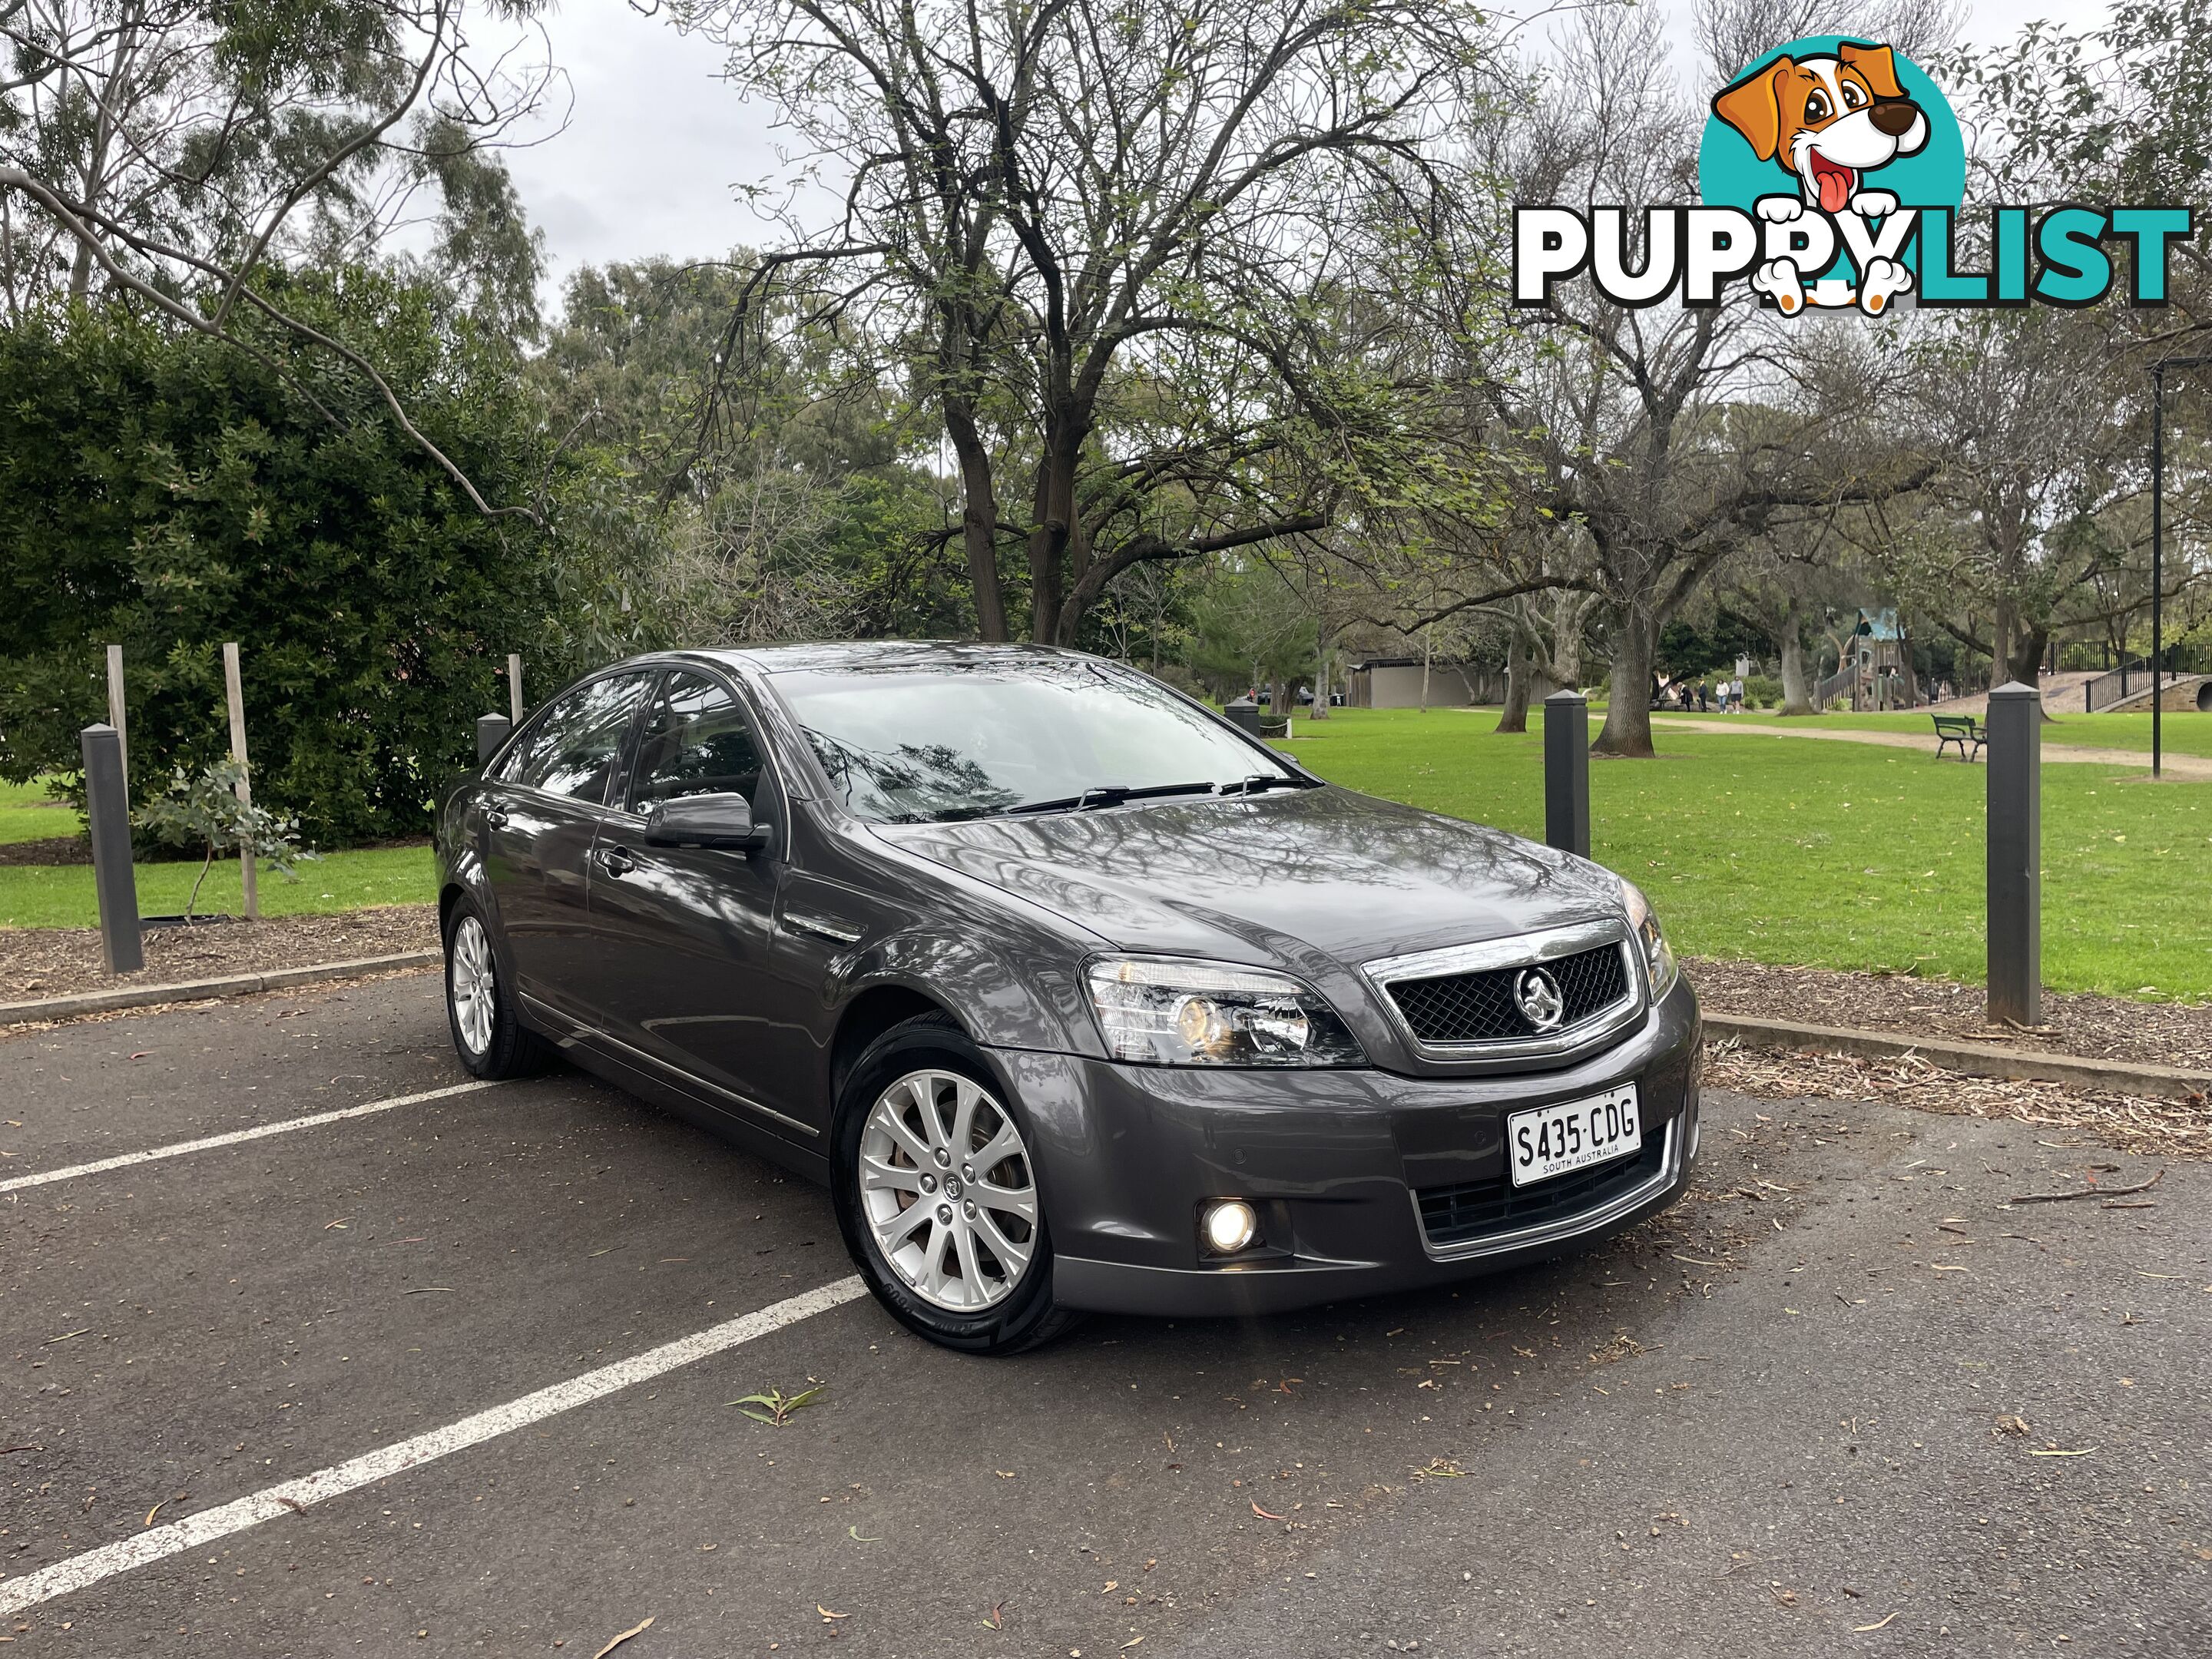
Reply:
x=1113, y=795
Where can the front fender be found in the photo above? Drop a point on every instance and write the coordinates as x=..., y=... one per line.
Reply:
x=1007, y=988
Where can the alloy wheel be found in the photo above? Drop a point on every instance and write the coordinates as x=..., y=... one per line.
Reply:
x=469, y=984
x=948, y=1191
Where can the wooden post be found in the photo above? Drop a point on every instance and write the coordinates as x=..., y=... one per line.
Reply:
x=115, y=709
x=514, y=687
x=236, y=693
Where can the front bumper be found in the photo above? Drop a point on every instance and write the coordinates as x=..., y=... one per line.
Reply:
x=1337, y=1162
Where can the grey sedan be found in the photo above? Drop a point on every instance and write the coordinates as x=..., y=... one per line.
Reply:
x=1077, y=996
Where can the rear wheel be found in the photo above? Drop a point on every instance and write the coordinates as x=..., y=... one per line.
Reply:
x=479, y=1008
x=937, y=1196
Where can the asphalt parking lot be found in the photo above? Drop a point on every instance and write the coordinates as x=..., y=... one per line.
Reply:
x=454, y=1377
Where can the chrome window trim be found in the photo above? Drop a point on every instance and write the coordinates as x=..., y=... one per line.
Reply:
x=1565, y=1227
x=1518, y=951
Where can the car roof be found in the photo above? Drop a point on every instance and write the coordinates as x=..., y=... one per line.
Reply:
x=835, y=654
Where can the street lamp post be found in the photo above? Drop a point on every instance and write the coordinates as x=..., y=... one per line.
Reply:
x=2158, y=544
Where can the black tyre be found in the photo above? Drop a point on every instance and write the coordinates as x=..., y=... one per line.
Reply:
x=937, y=1194
x=479, y=1007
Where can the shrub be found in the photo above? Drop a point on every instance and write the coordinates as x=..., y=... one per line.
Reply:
x=203, y=811
x=168, y=492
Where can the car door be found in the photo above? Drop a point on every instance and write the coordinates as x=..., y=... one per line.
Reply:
x=693, y=975
x=539, y=819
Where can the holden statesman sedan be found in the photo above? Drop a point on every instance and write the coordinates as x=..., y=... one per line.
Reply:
x=1077, y=996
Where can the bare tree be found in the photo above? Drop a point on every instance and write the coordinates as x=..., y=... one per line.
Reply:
x=1111, y=243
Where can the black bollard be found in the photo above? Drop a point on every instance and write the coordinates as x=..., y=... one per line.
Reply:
x=1566, y=772
x=107, y=816
x=491, y=731
x=2015, y=854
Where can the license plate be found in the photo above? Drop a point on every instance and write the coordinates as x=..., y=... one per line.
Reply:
x=1572, y=1135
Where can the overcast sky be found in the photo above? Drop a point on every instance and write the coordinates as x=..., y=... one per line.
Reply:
x=656, y=144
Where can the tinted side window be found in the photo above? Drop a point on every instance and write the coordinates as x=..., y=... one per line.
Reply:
x=577, y=746
x=697, y=742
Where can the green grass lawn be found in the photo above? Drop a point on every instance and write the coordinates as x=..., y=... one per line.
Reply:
x=35, y=896
x=2184, y=733
x=28, y=813
x=1832, y=854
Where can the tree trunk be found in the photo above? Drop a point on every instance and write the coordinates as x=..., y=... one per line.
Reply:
x=1627, y=732
x=1568, y=610
x=1516, y=717
x=1427, y=650
x=1052, y=529
x=1320, y=671
x=2001, y=643
x=1796, y=695
x=1280, y=704
x=979, y=521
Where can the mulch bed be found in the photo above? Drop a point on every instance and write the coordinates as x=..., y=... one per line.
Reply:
x=2099, y=1028
x=53, y=849
x=2163, y=1128
x=38, y=962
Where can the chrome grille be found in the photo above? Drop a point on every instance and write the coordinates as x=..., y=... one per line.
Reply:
x=1480, y=1006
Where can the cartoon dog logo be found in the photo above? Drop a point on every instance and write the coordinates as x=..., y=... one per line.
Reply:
x=1830, y=121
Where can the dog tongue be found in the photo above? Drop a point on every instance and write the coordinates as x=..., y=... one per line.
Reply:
x=1835, y=190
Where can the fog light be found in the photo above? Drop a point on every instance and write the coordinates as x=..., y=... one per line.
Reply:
x=1228, y=1225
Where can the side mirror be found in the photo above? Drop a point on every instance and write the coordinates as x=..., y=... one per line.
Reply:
x=723, y=821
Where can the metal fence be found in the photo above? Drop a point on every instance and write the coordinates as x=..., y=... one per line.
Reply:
x=2128, y=680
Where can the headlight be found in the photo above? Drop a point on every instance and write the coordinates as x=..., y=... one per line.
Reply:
x=1169, y=1011
x=1658, y=956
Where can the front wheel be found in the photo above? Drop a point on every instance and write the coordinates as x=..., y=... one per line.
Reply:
x=479, y=1007
x=937, y=1194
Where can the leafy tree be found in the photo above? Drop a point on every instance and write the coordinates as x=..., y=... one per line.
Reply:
x=161, y=490
x=181, y=154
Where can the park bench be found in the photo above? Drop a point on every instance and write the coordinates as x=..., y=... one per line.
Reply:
x=1961, y=729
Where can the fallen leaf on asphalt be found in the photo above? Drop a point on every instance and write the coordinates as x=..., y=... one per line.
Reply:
x=1132, y=1641
x=1112, y=1584
x=1947, y=1267
x=774, y=1407
x=828, y=1616
x=1788, y=1598
x=633, y=1631
x=429, y=1289
x=2053, y=1451
x=854, y=1532
x=1264, y=1516
x=155, y=1511
x=339, y=1224
x=1004, y=1474
x=2010, y=1425
x=1877, y=1624
x=997, y=1620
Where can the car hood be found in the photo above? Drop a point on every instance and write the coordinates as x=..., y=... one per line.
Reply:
x=1279, y=877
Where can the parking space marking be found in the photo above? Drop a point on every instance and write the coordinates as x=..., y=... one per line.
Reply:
x=293, y=1496
x=261, y=1131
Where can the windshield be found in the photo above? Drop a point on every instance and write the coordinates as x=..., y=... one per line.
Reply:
x=969, y=739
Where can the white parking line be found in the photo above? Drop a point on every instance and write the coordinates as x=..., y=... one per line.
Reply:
x=290, y=1497
x=208, y=1142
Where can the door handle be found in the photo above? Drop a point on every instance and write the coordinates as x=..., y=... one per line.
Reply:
x=495, y=817
x=617, y=860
